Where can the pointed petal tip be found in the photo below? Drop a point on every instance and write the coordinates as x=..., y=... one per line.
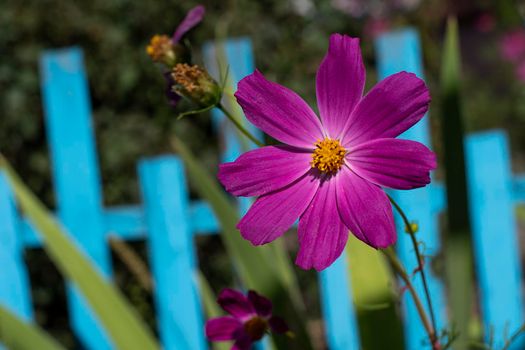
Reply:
x=192, y=19
x=340, y=81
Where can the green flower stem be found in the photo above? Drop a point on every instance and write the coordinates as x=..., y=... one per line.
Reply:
x=412, y=234
x=513, y=337
x=400, y=270
x=239, y=126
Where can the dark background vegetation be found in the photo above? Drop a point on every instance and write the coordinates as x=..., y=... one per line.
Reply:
x=133, y=120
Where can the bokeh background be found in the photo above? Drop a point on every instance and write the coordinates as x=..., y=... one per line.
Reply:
x=133, y=120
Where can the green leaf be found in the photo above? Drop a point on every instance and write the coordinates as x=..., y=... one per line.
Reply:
x=116, y=315
x=264, y=268
x=458, y=255
x=375, y=304
x=17, y=334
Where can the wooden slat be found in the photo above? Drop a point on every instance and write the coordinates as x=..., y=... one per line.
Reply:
x=172, y=255
x=495, y=241
x=15, y=293
x=400, y=51
x=75, y=173
x=338, y=309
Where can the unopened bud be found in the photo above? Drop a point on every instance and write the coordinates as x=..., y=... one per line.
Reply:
x=414, y=227
x=195, y=84
x=162, y=49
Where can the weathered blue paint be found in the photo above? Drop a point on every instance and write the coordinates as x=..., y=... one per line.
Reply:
x=172, y=255
x=518, y=188
x=338, y=308
x=15, y=291
x=400, y=51
x=75, y=174
x=495, y=241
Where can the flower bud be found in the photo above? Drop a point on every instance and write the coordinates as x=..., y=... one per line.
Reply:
x=414, y=227
x=162, y=49
x=195, y=84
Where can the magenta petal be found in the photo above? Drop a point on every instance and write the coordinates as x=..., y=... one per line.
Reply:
x=322, y=234
x=340, y=83
x=264, y=170
x=391, y=107
x=193, y=17
x=236, y=304
x=278, y=325
x=395, y=163
x=262, y=305
x=222, y=328
x=271, y=215
x=243, y=342
x=278, y=111
x=365, y=209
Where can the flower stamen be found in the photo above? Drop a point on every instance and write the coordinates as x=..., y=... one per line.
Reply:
x=160, y=49
x=194, y=83
x=328, y=156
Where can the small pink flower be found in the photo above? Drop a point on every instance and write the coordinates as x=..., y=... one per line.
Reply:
x=330, y=171
x=251, y=317
x=512, y=46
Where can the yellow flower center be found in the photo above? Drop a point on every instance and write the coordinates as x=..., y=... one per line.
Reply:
x=159, y=46
x=328, y=156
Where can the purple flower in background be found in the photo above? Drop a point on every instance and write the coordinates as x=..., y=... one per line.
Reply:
x=330, y=171
x=512, y=50
x=251, y=317
x=512, y=46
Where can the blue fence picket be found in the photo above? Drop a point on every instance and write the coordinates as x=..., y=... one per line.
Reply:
x=171, y=247
x=338, y=309
x=495, y=241
x=400, y=51
x=15, y=293
x=76, y=174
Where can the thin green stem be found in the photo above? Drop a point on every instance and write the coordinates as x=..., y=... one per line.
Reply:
x=513, y=337
x=239, y=126
x=412, y=235
x=399, y=269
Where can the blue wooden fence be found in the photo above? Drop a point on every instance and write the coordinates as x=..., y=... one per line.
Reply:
x=169, y=220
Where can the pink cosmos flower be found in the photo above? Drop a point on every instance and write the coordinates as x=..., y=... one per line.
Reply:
x=251, y=317
x=330, y=171
x=512, y=46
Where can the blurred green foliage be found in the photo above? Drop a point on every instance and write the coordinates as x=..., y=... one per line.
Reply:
x=132, y=118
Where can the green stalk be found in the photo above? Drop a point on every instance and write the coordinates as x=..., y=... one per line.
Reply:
x=239, y=126
x=399, y=269
x=457, y=242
